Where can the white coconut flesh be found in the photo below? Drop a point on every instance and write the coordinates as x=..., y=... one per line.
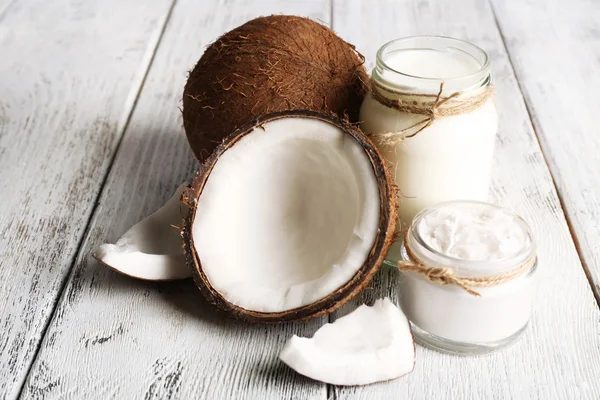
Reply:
x=152, y=248
x=288, y=215
x=371, y=344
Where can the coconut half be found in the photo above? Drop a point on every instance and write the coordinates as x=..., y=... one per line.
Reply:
x=371, y=344
x=152, y=248
x=290, y=217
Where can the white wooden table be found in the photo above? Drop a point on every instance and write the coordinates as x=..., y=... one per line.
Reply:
x=91, y=141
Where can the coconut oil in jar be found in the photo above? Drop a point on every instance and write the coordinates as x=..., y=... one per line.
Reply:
x=468, y=277
x=431, y=113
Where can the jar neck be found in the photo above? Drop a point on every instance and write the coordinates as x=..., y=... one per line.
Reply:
x=420, y=64
x=468, y=268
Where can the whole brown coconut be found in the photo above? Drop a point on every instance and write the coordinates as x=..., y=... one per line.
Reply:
x=384, y=226
x=270, y=64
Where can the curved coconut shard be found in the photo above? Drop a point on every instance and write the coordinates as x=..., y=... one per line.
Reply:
x=151, y=249
x=371, y=344
x=270, y=64
x=291, y=217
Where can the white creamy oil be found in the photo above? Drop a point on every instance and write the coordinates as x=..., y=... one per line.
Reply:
x=451, y=158
x=478, y=241
x=474, y=233
x=432, y=64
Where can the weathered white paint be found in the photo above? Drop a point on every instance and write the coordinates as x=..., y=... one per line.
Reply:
x=555, y=51
x=559, y=357
x=4, y=5
x=114, y=337
x=68, y=83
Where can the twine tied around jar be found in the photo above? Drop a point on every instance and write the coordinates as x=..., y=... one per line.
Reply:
x=430, y=105
x=446, y=276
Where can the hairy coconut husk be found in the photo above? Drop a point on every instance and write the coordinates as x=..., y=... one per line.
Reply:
x=383, y=241
x=267, y=65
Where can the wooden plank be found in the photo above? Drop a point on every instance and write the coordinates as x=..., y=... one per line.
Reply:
x=114, y=337
x=4, y=6
x=559, y=357
x=68, y=85
x=555, y=51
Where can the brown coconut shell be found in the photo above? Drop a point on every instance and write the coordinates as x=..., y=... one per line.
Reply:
x=267, y=65
x=381, y=245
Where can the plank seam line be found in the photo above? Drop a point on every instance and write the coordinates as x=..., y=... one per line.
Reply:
x=88, y=225
x=596, y=293
x=4, y=11
x=330, y=393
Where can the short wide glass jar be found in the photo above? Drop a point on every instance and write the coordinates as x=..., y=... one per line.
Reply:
x=431, y=113
x=468, y=277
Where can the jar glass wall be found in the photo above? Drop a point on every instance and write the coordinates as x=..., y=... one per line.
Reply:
x=451, y=157
x=448, y=318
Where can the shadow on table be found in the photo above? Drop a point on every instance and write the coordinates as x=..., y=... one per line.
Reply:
x=184, y=296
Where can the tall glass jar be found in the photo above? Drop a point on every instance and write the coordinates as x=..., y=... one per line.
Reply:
x=431, y=113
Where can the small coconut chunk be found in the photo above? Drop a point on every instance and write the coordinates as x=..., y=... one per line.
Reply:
x=371, y=344
x=151, y=249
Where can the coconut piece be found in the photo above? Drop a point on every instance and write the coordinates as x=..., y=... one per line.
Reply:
x=270, y=64
x=371, y=344
x=290, y=217
x=152, y=248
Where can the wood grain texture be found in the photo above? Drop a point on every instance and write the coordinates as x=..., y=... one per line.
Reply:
x=555, y=51
x=67, y=90
x=559, y=356
x=4, y=6
x=114, y=337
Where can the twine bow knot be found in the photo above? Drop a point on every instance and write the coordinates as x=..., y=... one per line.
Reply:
x=447, y=276
x=431, y=110
x=439, y=275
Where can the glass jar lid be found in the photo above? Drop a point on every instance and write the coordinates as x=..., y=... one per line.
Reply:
x=422, y=63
